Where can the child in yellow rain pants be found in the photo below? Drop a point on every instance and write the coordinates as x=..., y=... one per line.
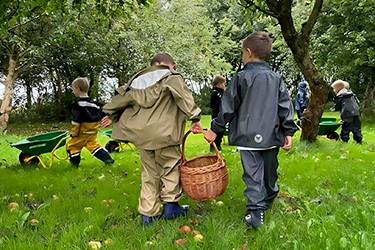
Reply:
x=86, y=117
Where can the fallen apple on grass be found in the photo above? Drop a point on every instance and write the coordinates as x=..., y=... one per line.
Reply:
x=88, y=209
x=219, y=203
x=198, y=237
x=13, y=206
x=108, y=242
x=94, y=244
x=181, y=242
x=34, y=222
x=185, y=229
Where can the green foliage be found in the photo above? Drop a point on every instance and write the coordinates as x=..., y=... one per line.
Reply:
x=326, y=191
x=345, y=46
x=203, y=99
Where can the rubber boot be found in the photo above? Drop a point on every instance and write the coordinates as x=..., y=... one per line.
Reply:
x=74, y=159
x=104, y=156
x=173, y=210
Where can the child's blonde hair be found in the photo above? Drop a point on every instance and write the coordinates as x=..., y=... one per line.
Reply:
x=82, y=83
x=340, y=84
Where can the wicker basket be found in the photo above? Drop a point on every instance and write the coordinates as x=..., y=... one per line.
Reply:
x=205, y=177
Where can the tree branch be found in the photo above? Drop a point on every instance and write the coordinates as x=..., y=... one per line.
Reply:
x=251, y=3
x=23, y=65
x=27, y=21
x=273, y=5
x=307, y=27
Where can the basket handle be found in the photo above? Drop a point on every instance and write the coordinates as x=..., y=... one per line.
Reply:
x=183, y=156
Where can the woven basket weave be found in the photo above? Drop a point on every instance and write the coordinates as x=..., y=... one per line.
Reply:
x=204, y=177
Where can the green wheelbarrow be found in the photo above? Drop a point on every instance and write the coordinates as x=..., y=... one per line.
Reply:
x=328, y=127
x=115, y=145
x=34, y=146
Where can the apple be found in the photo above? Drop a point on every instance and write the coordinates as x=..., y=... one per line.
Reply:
x=13, y=206
x=219, y=203
x=88, y=209
x=94, y=244
x=181, y=242
x=108, y=242
x=198, y=237
x=34, y=222
x=184, y=229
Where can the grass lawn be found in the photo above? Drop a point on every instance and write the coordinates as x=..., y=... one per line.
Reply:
x=326, y=201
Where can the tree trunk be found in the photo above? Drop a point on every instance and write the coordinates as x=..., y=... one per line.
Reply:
x=368, y=102
x=94, y=89
x=318, y=87
x=299, y=45
x=29, y=94
x=6, y=105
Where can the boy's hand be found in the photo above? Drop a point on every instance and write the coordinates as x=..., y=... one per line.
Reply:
x=105, y=122
x=288, y=143
x=210, y=136
x=196, y=127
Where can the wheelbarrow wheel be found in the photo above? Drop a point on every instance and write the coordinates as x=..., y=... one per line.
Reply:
x=112, y=146
x=25, y=159
x=333, y=136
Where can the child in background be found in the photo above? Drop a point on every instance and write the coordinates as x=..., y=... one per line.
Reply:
x=348, y=105
x=217, y=92
x=259, y=111
x=302, y=98
x=86, y=117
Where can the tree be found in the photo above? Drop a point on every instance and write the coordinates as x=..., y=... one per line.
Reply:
x=298, y=42
x=23, y=25
x=346, y=48
x=26, y=27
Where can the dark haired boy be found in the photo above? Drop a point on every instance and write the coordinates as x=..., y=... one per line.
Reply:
x=154, y=106
x=86, y=117
x=218, y=87
x=259, y=111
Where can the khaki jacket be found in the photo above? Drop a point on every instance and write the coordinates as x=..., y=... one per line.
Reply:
x=153, y=108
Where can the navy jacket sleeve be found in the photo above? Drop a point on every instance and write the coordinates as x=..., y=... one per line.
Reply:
x=75, y=113
x=215, y=102
x=285, y=109
x=229, y=105
x=338, y=103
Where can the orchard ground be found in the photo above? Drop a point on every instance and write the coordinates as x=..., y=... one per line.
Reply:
x=326, y=200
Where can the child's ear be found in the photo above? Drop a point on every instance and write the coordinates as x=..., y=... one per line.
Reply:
x=249, y=52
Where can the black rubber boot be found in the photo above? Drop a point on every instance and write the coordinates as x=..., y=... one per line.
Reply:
x=74, y=159
x=103, y=155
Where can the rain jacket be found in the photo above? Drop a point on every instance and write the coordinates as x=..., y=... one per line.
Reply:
x=86, y=115
x=348, y=104
x=258, y=107
x=216, y=95
x=302, y=99
x=152, y=109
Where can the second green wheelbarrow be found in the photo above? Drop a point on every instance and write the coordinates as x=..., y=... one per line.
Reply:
x=115, y=145
x=34, y=146
x=328, y=127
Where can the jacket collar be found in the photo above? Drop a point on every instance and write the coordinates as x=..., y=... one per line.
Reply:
x=250, y=65
x=343, y=92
